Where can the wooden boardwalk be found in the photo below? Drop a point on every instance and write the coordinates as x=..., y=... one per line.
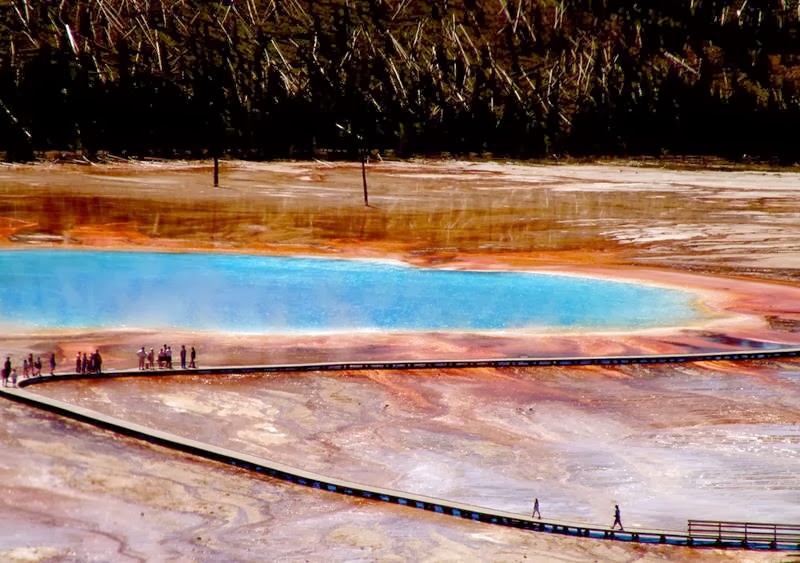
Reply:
x=699, y=536
x=738, y=356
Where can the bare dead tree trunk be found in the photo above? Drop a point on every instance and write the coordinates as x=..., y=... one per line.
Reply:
x=216, y=171
x=364, y=175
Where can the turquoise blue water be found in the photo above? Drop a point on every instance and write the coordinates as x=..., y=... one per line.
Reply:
x=57, y=288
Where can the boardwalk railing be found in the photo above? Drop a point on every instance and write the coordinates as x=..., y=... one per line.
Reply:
x=750, y=534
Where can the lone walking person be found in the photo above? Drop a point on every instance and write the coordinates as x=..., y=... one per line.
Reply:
x=617, y=518
x=6, y=370
x=536, y=509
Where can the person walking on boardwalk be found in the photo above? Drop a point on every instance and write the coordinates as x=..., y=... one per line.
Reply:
x=617, y=518
x=142, y=355
x=536, y=509
x=183, y=356
x=192, y=356
x=52, y=363
x=6, y=370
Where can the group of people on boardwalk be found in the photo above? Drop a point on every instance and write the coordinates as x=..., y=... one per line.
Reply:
x=149, y=360
x=30, y=368
x=617, y=517
x=91, y=363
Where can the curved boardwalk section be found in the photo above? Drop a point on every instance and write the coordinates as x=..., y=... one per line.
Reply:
x=703, y=537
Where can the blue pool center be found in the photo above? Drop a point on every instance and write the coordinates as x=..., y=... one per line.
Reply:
x=267, y=294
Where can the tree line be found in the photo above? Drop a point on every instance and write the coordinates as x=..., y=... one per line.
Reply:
x=291, y=78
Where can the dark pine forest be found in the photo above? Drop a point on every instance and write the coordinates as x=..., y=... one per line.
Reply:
x=295, y=78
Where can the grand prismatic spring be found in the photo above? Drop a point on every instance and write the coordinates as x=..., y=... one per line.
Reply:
x=275, y=295
x=714, y=440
